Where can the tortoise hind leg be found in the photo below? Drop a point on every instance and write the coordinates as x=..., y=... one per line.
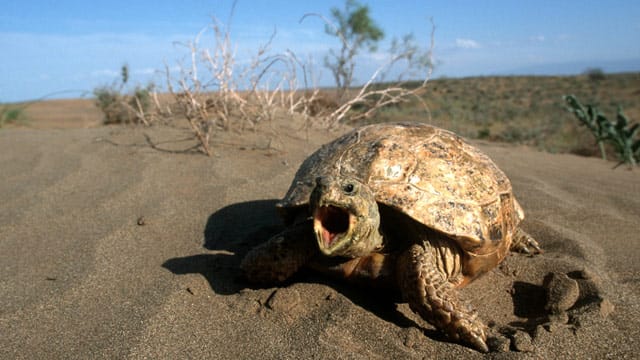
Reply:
x=434, y=298
x=281, y=256
x=524, y=243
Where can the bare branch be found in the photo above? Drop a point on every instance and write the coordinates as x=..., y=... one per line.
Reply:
x=390, y=95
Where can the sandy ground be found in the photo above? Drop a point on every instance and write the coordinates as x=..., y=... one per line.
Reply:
x=61, y=114
x=112, y=249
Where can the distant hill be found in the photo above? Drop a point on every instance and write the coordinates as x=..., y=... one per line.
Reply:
x=578, y=67
x=522, y=109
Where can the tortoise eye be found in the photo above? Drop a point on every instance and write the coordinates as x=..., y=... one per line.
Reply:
x=349, y=188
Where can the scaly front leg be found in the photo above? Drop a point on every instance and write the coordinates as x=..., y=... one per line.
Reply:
x=429, y=293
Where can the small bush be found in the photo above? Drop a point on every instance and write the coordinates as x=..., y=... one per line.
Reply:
x=595, y=74
x=484, y=133
x=10, y=114
x=122, y=108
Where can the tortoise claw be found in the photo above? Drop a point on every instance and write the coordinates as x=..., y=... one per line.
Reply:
x=534, y=244
x=525, y=243
x=478, y=343
x=472, y=332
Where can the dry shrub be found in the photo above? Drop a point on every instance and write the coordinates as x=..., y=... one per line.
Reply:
x=120, y=107
x=230, y=96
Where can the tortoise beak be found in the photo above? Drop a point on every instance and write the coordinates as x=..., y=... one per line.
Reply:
x=330, y=223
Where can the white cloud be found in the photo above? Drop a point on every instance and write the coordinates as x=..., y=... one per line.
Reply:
x=146, y=71
x=537, y=38
x=104, y=73
x=467, y=44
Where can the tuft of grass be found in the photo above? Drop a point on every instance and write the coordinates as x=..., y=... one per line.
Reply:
x=123, y=108
x=11, y=114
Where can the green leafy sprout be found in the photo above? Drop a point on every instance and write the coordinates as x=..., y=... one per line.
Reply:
x=620, y=134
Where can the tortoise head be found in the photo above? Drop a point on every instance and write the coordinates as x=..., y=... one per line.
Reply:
x=345, y=217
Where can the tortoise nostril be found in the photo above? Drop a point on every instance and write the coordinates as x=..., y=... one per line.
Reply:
x=323, y=181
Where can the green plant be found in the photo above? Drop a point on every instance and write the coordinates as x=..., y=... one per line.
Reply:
x=622, y=137
x=355, y=29
x=591, y=118
x=11, y=114
x=406, y=60
x=619, y=134
x=119, y=107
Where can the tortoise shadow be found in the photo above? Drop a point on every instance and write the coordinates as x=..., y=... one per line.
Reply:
x=229, y=234
x=235, y=229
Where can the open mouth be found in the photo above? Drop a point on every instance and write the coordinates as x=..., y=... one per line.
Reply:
x=330, y=222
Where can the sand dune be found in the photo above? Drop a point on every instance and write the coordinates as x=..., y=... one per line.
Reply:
x=112, y=249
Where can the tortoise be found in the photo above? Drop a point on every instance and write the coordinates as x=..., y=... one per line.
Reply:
x=407, y=206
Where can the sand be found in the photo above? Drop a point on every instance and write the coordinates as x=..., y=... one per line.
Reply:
x=110, y=248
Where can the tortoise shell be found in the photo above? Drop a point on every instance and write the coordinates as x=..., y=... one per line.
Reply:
x=427, y=173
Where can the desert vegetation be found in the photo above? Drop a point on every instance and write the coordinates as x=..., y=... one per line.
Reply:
x=528, y=110
x=619, y=134
x=11, y=113
x=120, y=106
x=213, y=91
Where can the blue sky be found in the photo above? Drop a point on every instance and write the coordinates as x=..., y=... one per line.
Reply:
x=74, y=46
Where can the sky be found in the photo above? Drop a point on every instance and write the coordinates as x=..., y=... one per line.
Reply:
x=67, y=48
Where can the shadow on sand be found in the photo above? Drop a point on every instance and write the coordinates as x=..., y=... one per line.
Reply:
x=230, y=233
x=235, y=229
